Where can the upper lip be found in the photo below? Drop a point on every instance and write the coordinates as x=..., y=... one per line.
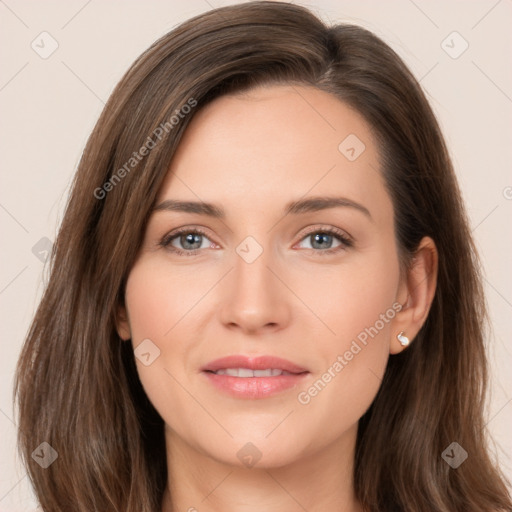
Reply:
x=253, y=363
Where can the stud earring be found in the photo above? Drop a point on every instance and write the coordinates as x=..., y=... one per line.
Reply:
x=404, y=340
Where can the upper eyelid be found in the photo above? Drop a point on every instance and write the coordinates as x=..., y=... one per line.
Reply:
x=179, y=231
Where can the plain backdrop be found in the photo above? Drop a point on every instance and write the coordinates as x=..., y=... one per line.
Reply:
x=459, y=50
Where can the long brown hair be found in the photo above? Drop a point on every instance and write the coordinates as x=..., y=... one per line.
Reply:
x=76, y=383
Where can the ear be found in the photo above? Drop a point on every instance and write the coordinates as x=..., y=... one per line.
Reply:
x=122, y=323
x=416, y=293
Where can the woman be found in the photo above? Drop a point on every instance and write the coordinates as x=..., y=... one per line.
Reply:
x=249, y=370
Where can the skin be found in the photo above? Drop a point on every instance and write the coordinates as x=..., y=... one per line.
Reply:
x=253, y=153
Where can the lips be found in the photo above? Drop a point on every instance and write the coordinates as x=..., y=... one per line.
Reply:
x=245, y=377
x=256, y=364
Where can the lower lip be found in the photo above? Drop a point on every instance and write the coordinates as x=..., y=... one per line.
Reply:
x=254, y=387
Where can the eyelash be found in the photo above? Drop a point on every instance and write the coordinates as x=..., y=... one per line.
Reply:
x=345, y=241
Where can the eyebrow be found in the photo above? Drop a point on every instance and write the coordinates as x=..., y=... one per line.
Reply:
x=311, y=204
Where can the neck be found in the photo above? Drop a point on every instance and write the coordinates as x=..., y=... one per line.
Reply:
x=322, y=481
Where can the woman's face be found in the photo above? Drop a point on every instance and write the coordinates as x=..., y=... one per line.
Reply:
x=273, y=273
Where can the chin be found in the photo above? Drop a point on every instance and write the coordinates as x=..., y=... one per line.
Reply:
x=256, y=451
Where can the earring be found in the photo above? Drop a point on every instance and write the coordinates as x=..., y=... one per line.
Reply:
x=404, y=340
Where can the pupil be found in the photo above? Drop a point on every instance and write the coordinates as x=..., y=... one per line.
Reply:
x=192, y=238
x=319, y=237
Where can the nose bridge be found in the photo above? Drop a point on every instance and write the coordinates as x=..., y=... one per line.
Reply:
x=251, y=272
x=254, y=297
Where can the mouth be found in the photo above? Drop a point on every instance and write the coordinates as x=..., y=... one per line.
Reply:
x=253, y=377
x=239, y=365
x=248, y=372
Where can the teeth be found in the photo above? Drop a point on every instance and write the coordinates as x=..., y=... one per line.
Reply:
x=247, y=372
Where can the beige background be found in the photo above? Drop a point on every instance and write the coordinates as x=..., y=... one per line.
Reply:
x=49, y=106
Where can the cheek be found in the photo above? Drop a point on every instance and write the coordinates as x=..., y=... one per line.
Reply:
x=158, y=303
x=360, y=312
x=159, y=297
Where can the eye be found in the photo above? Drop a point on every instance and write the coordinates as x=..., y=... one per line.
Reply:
x=323, y=240
x=190, y=241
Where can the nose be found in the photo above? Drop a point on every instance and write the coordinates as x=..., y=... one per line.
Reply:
x=254, y=297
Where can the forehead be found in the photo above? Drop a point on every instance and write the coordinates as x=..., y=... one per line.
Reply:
x=274, y=144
